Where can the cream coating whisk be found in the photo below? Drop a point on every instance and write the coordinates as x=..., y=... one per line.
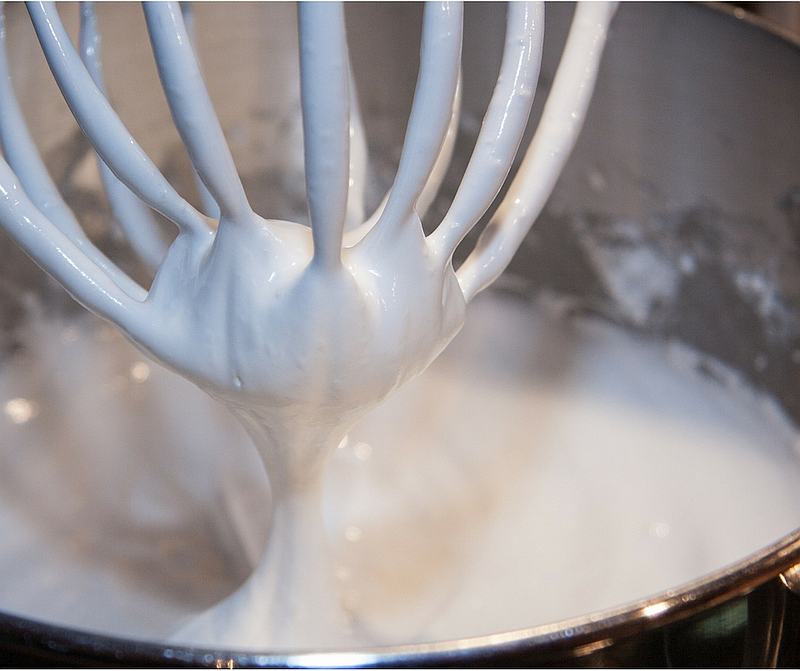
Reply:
x=297, y=329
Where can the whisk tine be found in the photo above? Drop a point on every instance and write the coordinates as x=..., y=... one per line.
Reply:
x=439, y=170
x=134, y=217
x=102, y=126
x=503, y=125
x=325, y=74
x=207, y=201
x=23, y=158
x=431, y=111
x=62, y=258
x=556, y=135
x=442, y=163
x=359, y=158
x=191, y=107
x=21, y=153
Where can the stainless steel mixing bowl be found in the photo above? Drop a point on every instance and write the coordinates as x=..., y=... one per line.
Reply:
x=691, y=148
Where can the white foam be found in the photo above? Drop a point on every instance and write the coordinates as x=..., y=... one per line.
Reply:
x=539, y=469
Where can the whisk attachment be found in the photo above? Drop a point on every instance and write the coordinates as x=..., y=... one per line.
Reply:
x=280, y=321
x=334, y=140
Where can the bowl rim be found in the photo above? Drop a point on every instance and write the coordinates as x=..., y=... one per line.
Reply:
x=566, y=638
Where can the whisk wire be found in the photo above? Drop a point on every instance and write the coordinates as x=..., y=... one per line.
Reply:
x=325, y=75
x=109, y=136
x=359, y=158
x=209, y=205
x=444, y=158
x=133, y=216
x=431, y=110
x=502, y=128
x=192, y=109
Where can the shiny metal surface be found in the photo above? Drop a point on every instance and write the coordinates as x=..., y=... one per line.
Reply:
x=693, y=136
